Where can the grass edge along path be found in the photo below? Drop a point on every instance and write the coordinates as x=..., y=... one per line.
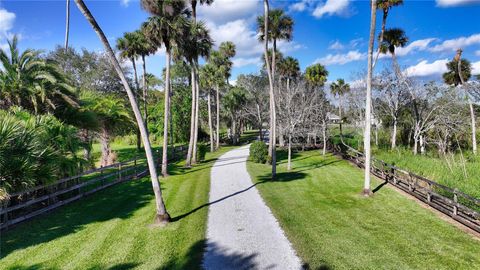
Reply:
x=110, y=229
x=332, y=226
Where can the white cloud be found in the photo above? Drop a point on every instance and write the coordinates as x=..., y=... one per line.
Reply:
x=356, y=42
x=300, y=6
x=424, y=68
x=331, y=7
x=6, y=21
x=454, y=44
x=221, y=11
x=125, y=2
x=341, y=59
x=241, y=62
x=337, y=45
x=417, y=45
x=455, y=3
x=476, y=68
x=477, y=53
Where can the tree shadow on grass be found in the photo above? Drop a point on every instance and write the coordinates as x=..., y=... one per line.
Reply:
x=121, y=266
x=119, y=201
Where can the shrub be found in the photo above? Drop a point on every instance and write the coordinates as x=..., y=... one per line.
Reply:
x=258, y=152
x=202, y=151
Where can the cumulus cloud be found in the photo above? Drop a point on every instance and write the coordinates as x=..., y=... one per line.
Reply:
x=221, y=11
x=337, y=45
x=454, y=44
x=241, y=62
x=299, y=6
x=477, y=53
x=6, y=21
x=331, y=7
x=424, y=68
x=417, y=45
x=125, y=2
x=476, y=68
x=456, y=3
x=341, y=59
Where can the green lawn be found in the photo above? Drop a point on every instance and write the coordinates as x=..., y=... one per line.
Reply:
x=333, y=227
x=110, y=229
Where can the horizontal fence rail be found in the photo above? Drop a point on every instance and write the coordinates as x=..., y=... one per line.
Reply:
x=40, y=199
x=461, y=207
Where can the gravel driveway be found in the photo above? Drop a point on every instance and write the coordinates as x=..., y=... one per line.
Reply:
x=242, y=232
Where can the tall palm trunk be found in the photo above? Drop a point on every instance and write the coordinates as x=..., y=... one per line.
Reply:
x=470, y=105
x=137, y=91
x=166, y=115
x=210, y=124
x=195, y=136
x=192, y=120
x=368, y=104
x=162, y=214
x=67, y=24
x=382, y=32
x=105, y=148
x=340, y=114
x=272, y=138
x=144, y=81
x=217, y=99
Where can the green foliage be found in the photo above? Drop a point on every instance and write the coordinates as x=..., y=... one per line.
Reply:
x=202, y=150
x=316, y=75
x=452, y=77
x=258, y=152
x=35, y=150
x=393, y=38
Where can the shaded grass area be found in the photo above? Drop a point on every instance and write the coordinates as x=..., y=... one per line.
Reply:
x=320, y=207
x=110, y=229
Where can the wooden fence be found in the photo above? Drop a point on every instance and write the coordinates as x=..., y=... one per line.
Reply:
x=459, y=206
x=38, y=200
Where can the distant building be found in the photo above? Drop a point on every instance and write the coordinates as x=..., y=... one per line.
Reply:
x=333, y=118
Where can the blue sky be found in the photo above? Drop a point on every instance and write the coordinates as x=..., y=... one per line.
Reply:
x=332, y=32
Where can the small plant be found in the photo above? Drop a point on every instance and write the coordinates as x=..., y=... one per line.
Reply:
x=202, y=151
x=258, y=152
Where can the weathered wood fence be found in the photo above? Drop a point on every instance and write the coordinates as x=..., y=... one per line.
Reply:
x=459, y=206
x=38, y=200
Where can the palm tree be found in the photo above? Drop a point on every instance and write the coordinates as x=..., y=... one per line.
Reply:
x=29, y=81
x=289, y=68
x=112, y=116
x=368, y=103
x=197, y=43
x=166, y=27
x=208, y=77
x=393, y=38
x=280, y=27
x=144, y=49
x=162, y=215
x=340, y=88
x=460, y=71
x=129, y=46
x=273, y=120
x=67, y=24
x=385, y=6
x=316, y=75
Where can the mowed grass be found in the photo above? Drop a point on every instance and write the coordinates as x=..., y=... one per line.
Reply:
x=332, y=226
x=111, y=229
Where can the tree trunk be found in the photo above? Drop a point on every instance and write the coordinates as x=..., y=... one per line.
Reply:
x=217, y=143
x=422, y=145
x=162, y=215
x=415, y=144
x=137, y=90
x=105, y=147
x=166, y=116
x=144, y=79
x=376, y=134
x=192, y=120
x=281, y=138
x=382, y=32
x=210, y=124
x=195, y=136
x=474, y=129
x=368, y=104
x=394, y=134
x=67, y=25
x=289, y=166
x=273, y=119
x=340, y=114
x=324, y=133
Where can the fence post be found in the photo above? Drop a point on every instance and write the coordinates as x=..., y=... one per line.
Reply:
x=455, y=199
x=119, y=171
x=135, y=168
x=429, y=193
x=410, y=180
